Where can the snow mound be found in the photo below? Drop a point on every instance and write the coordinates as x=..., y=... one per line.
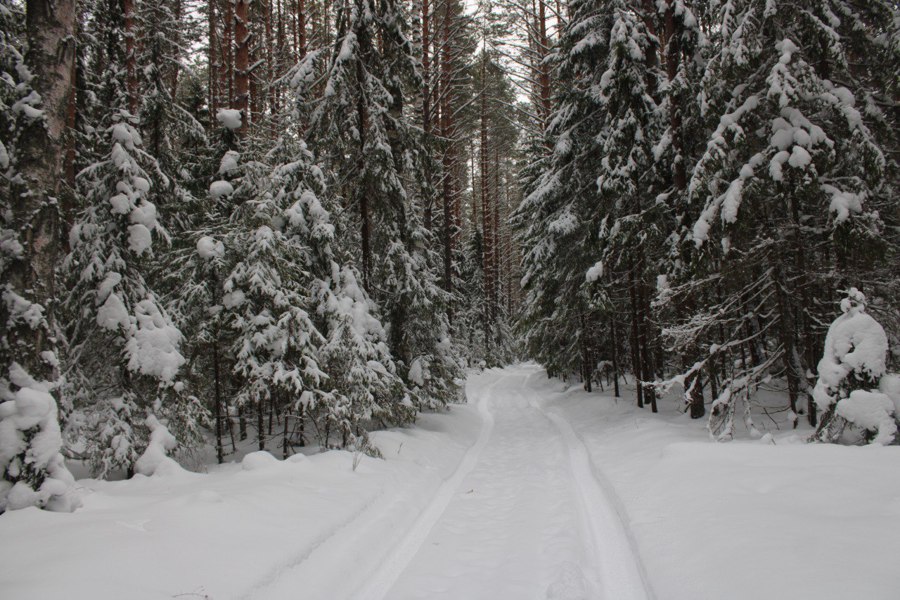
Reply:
x=229, y=162
x=256, y=461
x=595, y=272
x=298, y=458
x=153, y=347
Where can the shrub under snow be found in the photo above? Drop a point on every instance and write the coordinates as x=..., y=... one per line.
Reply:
x=850, y=389
x=34, y=471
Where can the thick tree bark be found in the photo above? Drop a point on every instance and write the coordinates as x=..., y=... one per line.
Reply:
x=301, y=28
x=448, y=134
x=615, y=354
x=50, y=30
x=486, y=212
x=673, y=58
x=220, y=406
x=636, y=366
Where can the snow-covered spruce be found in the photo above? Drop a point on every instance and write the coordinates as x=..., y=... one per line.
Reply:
x=125, y=350
x=849, y=391
x=785, y=199
x=375, y=170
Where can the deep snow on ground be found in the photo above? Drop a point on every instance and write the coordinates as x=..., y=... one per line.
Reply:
x=535, y=490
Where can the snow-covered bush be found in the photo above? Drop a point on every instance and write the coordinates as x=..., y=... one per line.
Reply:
x=34, y=471
x=857, y=396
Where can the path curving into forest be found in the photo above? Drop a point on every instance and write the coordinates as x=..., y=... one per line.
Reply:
x=525, y=516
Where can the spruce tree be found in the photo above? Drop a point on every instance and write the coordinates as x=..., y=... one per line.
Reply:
x=124, y=353
x=375, y=156
x=790, y=186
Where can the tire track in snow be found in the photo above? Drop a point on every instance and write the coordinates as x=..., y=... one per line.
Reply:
x=612, y=544
x=402, y=554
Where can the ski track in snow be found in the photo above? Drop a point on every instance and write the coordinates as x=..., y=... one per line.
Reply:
x=539, y=524
x=400, y=557
x=613, y=547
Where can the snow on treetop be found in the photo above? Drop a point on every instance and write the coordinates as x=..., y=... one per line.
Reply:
x=229, y=117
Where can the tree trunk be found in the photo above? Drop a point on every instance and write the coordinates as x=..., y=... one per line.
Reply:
x=426, y=104
x=242, y=62
x=301, y=28
x=261, y=423
x=636, y=367
x=615, y=355
x=788, y=341
x=131, y=82
x=227, y=71
x=50, y=31
x=220, y=409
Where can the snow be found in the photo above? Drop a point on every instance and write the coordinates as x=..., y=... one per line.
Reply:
x=230, y=118
x=415, y=373
x=218, y=189
x=855, y=343
x=843, y=203
x=872, y=411
x=536, y=489
x=112, y=314
x=144, y=214
x=229, y=162
x=209, y=248
x=595, y=272
x=800, y=158
x=155, y=459
x=30, y=441
x=152, y=348
x=121, y=204
x=255, y=461
x=139, y=238
x=235, y=533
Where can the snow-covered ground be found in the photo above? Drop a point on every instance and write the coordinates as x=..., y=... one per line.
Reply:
x=535, y=490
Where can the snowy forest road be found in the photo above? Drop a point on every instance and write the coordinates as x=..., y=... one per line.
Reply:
x=524, y=516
